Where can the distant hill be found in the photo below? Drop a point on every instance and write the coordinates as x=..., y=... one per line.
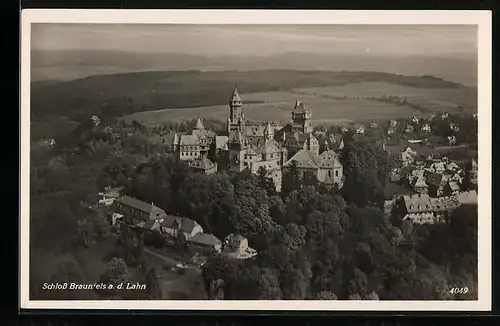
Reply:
x=70, y=64
x=120, y=94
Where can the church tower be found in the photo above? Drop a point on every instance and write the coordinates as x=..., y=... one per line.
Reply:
x=268, y=132
x=236, y=119
x=301, y=118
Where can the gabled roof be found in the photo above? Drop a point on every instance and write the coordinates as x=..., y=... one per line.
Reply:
x=188, y=140
x=304, y=159
x=268, y=165
x=467, y=197
x=329, y=159
x=250, y=151
x=434, y=179
x=135, y=203
x=206, y=239
x=268, y=146
x=221, y=142
x=419, y=182
x=454, y=186
x=171, y=221
x=299, y=107
x=187, y=224
x=424, y=203
x=202, y=163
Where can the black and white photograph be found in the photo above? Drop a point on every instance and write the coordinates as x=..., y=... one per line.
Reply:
x=256, y=160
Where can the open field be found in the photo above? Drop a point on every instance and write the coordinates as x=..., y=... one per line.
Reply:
x=331, y=104
x=447, y=99
x=278, y=105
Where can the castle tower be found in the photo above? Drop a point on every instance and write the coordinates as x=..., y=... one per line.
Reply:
x=235, y=119
x=237, y=146
x=301, y=118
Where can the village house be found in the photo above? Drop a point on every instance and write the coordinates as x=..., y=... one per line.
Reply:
x=420, y=186
x=452, y=140
x=426, y=128
x=236, y=247
x=467, y=197
x=108, y=196
x=454, y=126
x=205, y=244
x=135, y=210
x=391, y=130
x=194, y=146
x=423, y=209
x=203, y=165
x=176, y=226
x=415, y=119
x=472, y=172
x=409, y=129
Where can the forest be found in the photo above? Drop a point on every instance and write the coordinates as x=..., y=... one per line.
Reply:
x=312, y=242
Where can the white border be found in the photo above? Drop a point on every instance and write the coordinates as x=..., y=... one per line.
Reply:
x=480, y=18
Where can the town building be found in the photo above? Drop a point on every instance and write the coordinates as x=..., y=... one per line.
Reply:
x=176, y=226
x=423, y=209
x=426, y=128
x=472, y=173
x=135, y=210
x=236, y=247
x=204, y=244
x=326, y=167
x=108, y=196
x=203, y=165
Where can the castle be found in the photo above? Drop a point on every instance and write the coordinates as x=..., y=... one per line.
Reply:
x=251, y=145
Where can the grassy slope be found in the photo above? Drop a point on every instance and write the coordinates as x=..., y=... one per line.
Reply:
x=123, y=94
x=329, y=104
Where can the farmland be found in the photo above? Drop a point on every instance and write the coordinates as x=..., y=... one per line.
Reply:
x=332, y=104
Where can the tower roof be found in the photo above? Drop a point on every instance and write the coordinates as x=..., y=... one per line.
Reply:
x=236, y=96
x=300, y=107
x=199, y=124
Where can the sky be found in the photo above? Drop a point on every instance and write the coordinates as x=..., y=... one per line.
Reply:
x=260, y=40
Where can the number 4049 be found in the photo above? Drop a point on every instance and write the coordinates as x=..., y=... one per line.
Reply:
x=459, y=290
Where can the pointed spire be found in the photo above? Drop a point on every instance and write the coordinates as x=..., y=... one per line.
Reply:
x=176, y=139
x=341, y=144
x=297, y=103
x=268, y=133
x=236, y=96
x=199, y=124
x=327, y=147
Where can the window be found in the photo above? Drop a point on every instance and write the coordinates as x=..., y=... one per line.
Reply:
x=329, y=173
x=336, y=173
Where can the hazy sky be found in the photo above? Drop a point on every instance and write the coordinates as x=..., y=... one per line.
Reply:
x=259, y=39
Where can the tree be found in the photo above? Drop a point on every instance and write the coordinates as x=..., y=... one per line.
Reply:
x=116, y=276
x=269, y=287
x=290, y=179
x=265, y=182
x=251, y=215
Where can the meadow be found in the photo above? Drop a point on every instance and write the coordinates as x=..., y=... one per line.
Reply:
x=329, y=105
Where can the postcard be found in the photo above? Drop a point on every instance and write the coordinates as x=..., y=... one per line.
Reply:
x=256, y=160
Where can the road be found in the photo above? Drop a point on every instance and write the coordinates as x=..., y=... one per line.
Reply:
x=170, y=260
